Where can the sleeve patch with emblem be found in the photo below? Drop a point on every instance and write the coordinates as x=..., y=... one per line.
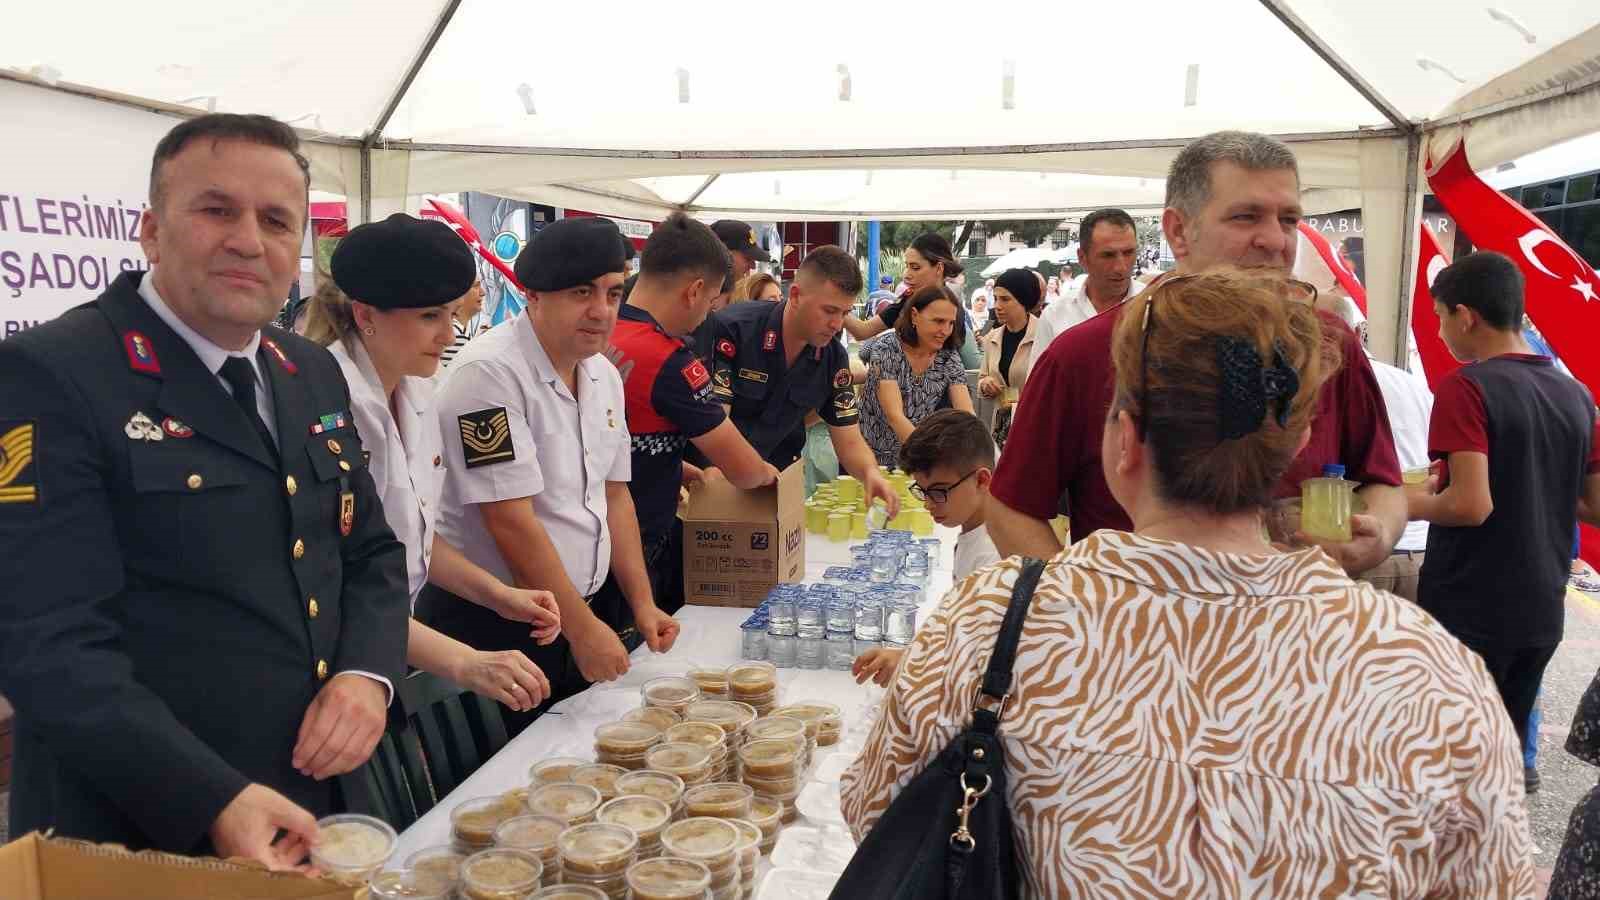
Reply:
x=18, y=479
x=696, y=376
x=844, y=402
x=841, y=378
x=726, y=348
x=486, y=437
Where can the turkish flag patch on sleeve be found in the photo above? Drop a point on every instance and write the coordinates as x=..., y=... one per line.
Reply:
x=696, y=375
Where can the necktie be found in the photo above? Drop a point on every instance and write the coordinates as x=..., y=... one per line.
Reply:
x=236, y=371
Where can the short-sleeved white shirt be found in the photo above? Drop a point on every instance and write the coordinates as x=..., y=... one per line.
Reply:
x=558, y=449
x=405, y=457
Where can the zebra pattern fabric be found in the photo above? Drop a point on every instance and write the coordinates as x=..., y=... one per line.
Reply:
x=1192, y=724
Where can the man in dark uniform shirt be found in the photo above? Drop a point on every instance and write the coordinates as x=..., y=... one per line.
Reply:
x=668, y=392
x=205, y=610
x=772, y=363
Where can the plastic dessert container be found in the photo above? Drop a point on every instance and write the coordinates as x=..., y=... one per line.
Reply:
x=597, y=850
x=718, y=800
x=500, y=874
x=351, y=848
x=668, y=879
x=574, y=804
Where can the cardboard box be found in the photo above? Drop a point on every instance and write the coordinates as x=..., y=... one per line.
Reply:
x=36, y=867
x=738, y=544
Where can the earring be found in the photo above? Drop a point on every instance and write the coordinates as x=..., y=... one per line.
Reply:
x=369, y=331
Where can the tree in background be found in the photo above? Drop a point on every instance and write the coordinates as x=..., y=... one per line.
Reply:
x=1029, y=231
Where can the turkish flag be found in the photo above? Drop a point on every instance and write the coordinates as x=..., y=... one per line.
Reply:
x=461, y=226
x=1436, y=359
x=1329, y=260
x=1563, y=293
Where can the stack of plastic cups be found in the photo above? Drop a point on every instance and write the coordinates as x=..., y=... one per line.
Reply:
x=839, y=638
x=602, y=777
x=781, y=641
x=824, y=721
x=442, y=864
x=623, y=744
x=774, y=769
x=718, y=800
x=712, y=681
x=767, y=815
x=668, y=879
x=569, y=892
x=690, y=762
x=709, y=736
x=472, y=823
x=749, y=855
x=500, y=874
x=535, y=834
x=574, y=804
x=729, y=715
x=663, y=786
x=644, y=816
x=714, y=844
x=598, y=855
x=869, y=621
x=809, y=715
x=755, y=683
x=811, y=618
x=671, y=692
x=781, y=728
x=409, y=884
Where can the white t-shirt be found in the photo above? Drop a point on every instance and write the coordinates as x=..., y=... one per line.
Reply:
x=1410, y=405
x=974, y=550
x=512, y=429
x=1071, y=308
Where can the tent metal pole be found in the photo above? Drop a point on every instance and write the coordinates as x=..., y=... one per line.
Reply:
x=366, y=185
x=710, y=179
x=445, y=15
x=1291, y=21
x=1409, y=229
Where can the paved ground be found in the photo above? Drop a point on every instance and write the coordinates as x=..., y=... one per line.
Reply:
x=1565, y=779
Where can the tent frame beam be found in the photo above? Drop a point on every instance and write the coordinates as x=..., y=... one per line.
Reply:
x=704, y=186
x=1296, y=25
x=1570, y=88
x=439, y=25
x=873, y=152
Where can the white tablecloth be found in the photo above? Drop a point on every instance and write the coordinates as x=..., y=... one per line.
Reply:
x=708, y=635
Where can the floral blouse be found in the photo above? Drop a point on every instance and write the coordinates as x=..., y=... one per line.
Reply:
x=1191, y=724
x=921, y=395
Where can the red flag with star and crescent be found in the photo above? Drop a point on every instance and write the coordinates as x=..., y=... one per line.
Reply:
x=1436, y=359
x=1563, y=292
x=463, y=227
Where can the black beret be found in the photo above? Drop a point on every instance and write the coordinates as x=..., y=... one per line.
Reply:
x=403, y=263
x=570, y=252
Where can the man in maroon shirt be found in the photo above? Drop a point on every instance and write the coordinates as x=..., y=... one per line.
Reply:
x=1522, y=464
x=1232, y=197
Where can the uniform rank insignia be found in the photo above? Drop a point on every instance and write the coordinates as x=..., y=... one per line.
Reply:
x=16, y=462
x=753, y=375
x=330, y=422
x=176, y=429
x=486, y=437
x=841, y=378
x=845, y=403
x=141, y=428
x=726, y=348
x=769, y=342
x=283, y=359
x=347, y=513
x=721, y=382
x=696, y=375
x=141, y=353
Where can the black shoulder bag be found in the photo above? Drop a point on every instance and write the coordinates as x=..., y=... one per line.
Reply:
x=947, y=834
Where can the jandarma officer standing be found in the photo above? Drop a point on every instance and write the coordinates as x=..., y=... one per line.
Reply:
x=205, y=609
x=537, y=460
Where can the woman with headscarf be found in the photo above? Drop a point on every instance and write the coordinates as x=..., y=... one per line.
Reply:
x=1008, y=349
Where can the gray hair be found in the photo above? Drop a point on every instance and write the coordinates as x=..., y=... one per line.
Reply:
x=1189, y=178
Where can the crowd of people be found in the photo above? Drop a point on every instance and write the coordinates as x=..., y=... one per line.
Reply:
x=1209, y=701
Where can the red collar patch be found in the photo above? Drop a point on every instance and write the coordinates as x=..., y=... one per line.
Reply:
x=141, y=353
x=283, y=360
x=770, y=341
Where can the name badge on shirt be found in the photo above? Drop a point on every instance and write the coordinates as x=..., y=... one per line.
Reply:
x=753, y=375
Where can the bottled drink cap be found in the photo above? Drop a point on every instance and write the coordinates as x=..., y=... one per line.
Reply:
x=1333, y=470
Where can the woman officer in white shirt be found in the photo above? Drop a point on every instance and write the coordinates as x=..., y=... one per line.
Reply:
x=409, y=274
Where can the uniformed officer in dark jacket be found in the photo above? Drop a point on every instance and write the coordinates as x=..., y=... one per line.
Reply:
x=773, y=363
x=205, y=611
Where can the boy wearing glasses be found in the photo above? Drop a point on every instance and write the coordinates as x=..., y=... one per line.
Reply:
x=950, y=457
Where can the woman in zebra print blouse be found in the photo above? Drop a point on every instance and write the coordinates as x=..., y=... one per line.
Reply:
x=1197, y=713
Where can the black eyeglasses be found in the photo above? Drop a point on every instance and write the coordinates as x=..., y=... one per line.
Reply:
x=1294, y=290
x=938, y=494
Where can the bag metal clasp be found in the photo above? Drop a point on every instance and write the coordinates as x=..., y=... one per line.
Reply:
x=962, y=837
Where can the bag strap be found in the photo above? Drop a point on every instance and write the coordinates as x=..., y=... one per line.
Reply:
x=997, y=680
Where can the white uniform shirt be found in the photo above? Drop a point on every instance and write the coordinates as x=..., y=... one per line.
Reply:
x=406, y=462
x=1071, y=308
x=974, y=550
x=1410, y=405
x=558, y=449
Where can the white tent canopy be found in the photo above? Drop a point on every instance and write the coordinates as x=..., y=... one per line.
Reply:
x=835, y=109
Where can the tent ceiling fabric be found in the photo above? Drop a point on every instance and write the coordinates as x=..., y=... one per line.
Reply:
x=629, y=106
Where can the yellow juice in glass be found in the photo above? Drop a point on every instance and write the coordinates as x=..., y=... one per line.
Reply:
x=1325, y=505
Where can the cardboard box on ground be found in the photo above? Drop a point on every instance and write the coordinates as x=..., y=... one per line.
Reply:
x=35, y=867
x=738, y=544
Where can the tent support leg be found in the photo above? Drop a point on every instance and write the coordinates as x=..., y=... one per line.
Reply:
x=1399, y=353
x=366, y=184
